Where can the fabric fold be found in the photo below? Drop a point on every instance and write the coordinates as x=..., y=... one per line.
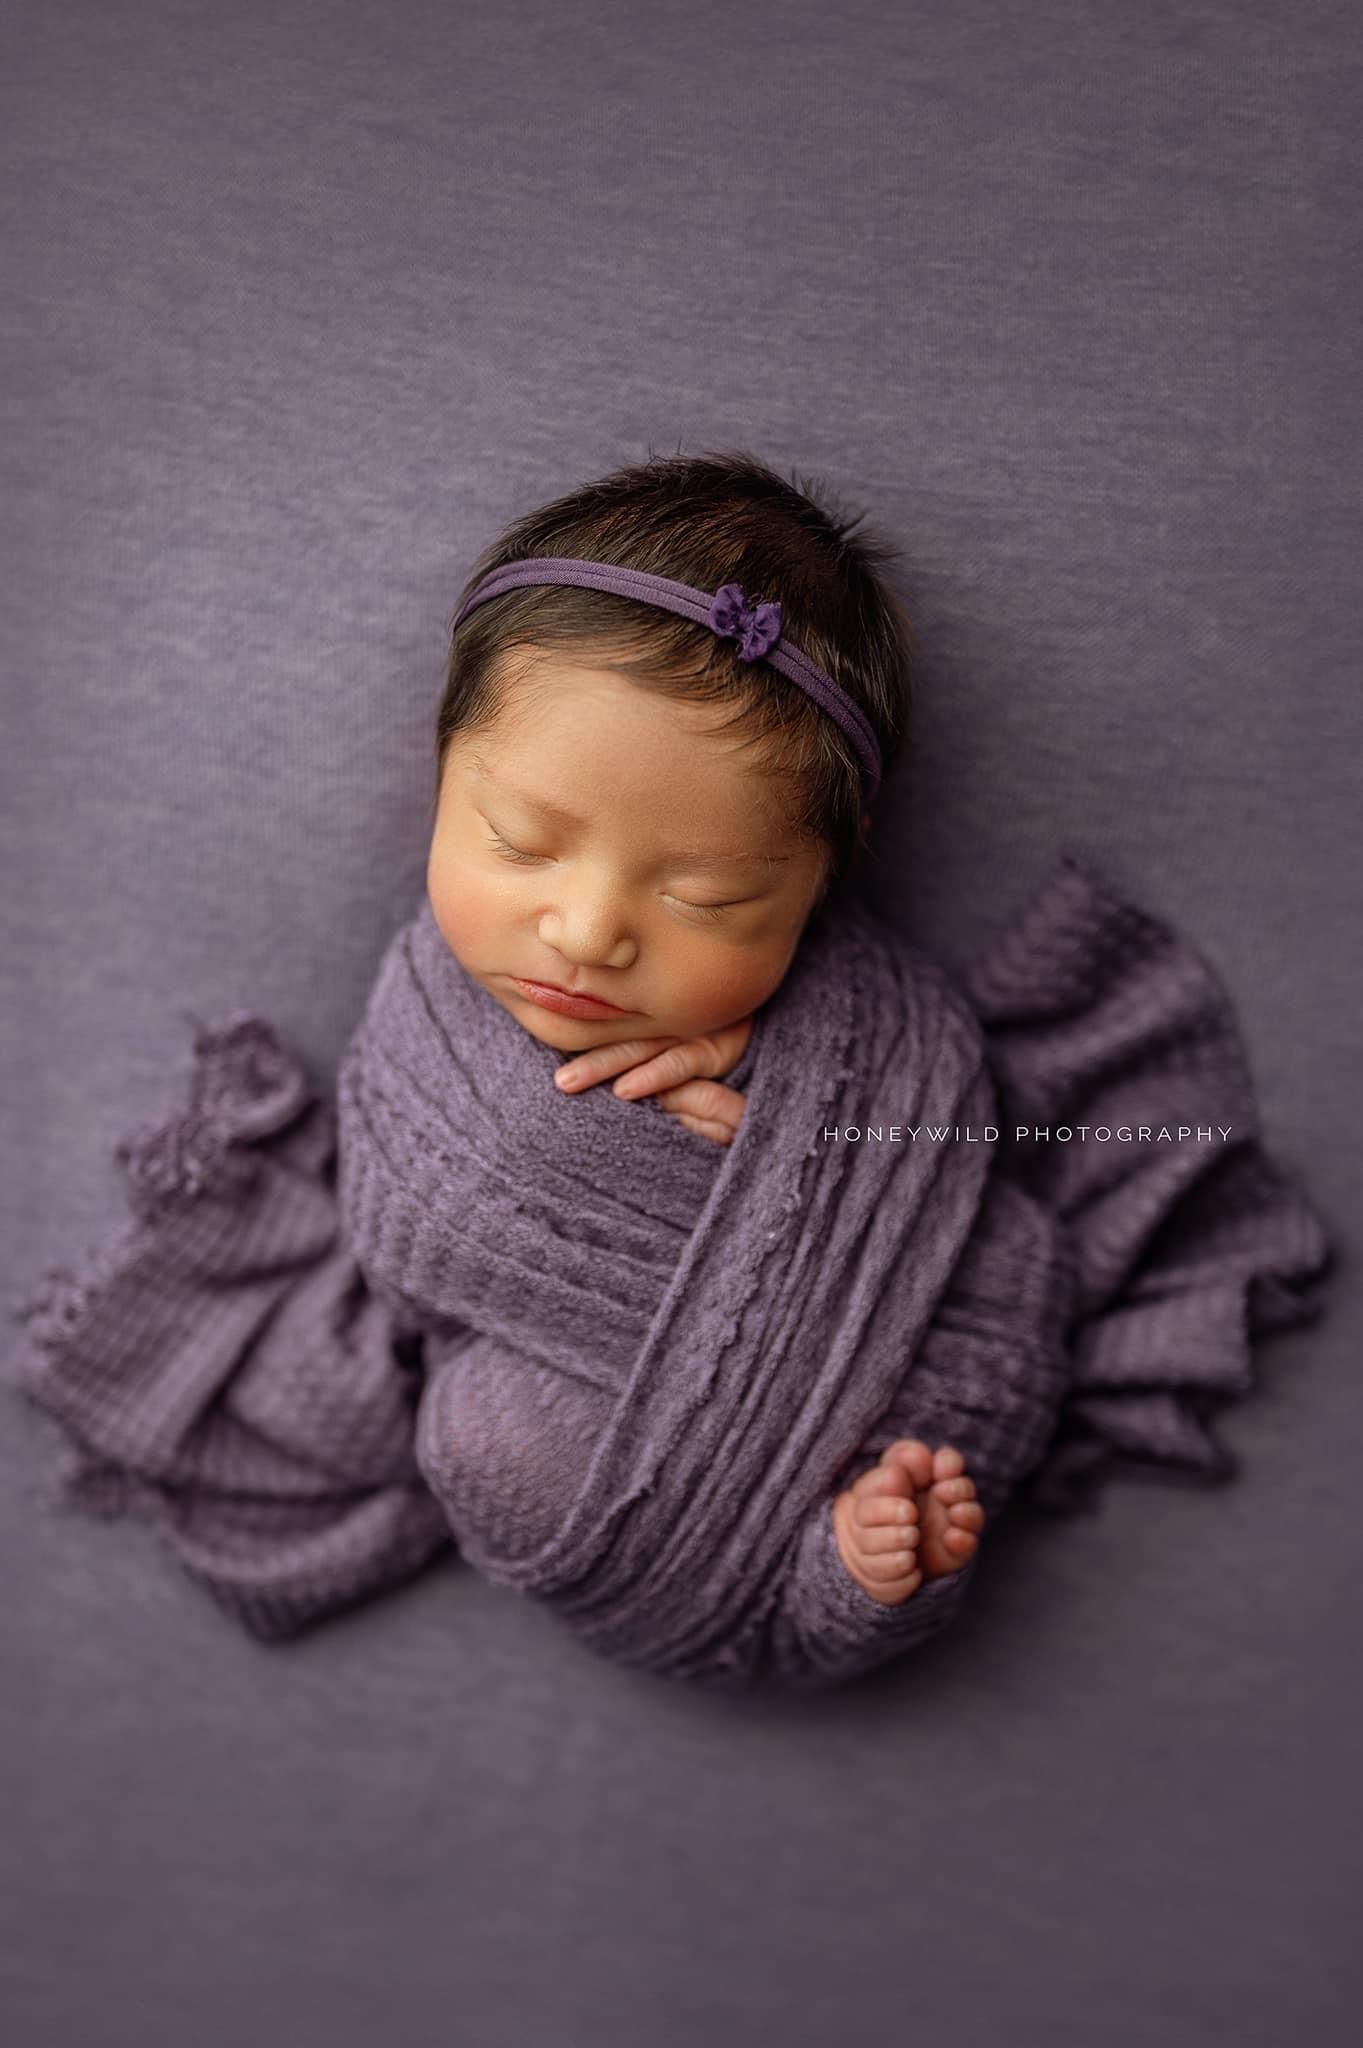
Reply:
x=1182, y=1245
x=626, y=1370
x=222, y=1366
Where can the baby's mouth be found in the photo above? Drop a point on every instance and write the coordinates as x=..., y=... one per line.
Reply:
x=564, y=1002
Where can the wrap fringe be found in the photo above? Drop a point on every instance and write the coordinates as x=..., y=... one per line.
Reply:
x=234, y=1190
x=1172, y=1257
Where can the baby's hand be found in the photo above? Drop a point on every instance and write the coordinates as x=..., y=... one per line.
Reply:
x=679, y=1071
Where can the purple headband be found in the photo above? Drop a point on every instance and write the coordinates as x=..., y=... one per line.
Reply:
x=756, y=628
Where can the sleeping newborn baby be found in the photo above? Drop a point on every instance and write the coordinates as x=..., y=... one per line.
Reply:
x=626, y=881
x=718, y=1384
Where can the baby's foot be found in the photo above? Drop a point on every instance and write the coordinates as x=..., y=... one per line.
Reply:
x=875, y=1523
x=949, y=1516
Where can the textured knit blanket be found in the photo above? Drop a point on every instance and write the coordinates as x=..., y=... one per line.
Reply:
x=908, y=1236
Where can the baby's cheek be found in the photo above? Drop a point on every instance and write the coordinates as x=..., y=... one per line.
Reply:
x=734, y=985
x=706, y=1000
x=467, y=917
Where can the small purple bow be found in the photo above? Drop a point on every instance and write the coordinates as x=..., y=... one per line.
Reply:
x=756, y=627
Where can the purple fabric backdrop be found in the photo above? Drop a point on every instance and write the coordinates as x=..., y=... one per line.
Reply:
x=304, y=303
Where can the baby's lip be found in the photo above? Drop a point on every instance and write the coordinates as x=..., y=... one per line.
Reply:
x=578, y=995
x=588, y=994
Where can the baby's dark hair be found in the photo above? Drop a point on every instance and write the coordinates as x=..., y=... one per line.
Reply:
x=719, y=517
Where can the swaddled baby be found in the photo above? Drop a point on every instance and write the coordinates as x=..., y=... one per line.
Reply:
x=717, y=1372
x=634, y=827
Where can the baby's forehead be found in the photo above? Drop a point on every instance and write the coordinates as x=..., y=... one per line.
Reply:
x=596, y=745
x=759, y=842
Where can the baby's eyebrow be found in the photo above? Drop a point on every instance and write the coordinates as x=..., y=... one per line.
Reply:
x=684, y=856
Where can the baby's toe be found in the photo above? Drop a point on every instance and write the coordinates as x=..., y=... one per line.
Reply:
x=947, y=1462
x=910, y=1454
x=949, y=1491
x=966, y=1514
x=880, y=1501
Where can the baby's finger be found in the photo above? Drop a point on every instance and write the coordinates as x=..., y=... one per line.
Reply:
x=716, y=1114
x=686, y=1059
x=703, y=1098
x=585, y=1069
x=677, y=1063
x=719, y=1120
x=720, y=1134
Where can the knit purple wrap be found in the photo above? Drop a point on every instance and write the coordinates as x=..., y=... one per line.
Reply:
x=627, y=1369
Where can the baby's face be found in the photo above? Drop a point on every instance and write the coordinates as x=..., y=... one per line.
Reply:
x=649, y=861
